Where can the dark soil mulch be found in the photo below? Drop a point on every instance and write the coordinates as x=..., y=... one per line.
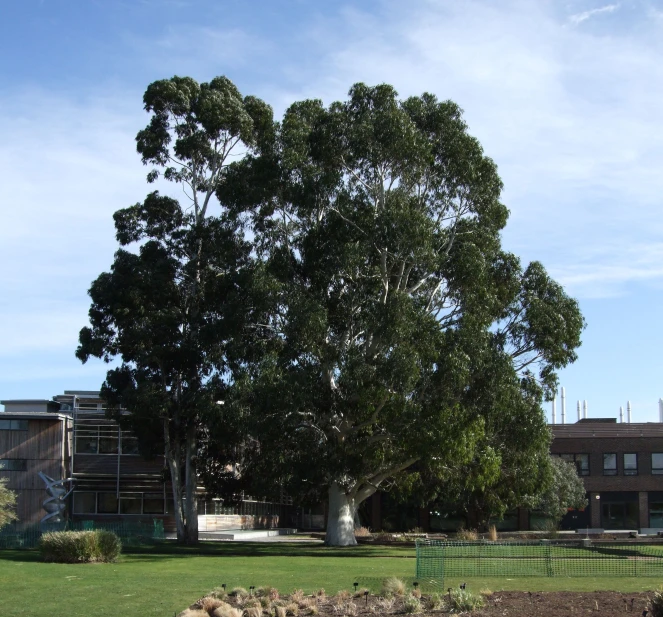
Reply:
x=564, y=603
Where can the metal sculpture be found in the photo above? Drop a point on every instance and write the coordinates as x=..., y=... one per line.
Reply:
x=55, y=503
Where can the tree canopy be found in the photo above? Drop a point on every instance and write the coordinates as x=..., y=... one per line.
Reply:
x=171, y=303
x=565, y=491
x=390, y=318
x=349, y=301
x=7, y=504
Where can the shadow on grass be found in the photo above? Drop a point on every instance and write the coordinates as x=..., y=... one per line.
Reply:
x=260, y=549
x=156, y=550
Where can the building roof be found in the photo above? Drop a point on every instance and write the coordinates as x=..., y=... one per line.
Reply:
x=33, y=415
x=607, y=430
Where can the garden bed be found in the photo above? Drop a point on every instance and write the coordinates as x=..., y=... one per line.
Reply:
x=501, y=603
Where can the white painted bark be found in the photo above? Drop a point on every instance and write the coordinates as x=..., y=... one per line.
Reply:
x=341, y=517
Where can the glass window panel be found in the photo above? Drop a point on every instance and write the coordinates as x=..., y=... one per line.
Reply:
x=630, y=464
x=153, y=503
x=13, y=464
x=656, y=514
x=567, y=457
x=84, y=503
x=130, y=504
x=86, y=444
x=106, y=503
x=13, y=425
x=129, y=445
x=582, y=463
x=609, y=464
x=107, y=445
x=657, y=462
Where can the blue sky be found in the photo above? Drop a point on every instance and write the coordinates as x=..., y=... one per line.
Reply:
x=565, y=96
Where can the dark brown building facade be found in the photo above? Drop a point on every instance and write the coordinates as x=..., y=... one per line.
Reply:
x=622, y=468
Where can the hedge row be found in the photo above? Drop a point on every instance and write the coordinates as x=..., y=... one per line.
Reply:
x=80, y=546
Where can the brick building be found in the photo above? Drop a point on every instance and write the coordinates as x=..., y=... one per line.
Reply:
x=71, y=437
x=621, y=465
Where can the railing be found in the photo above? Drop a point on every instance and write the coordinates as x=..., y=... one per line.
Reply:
x=131, y=533
x=440, y=559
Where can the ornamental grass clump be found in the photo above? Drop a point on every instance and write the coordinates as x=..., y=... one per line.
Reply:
x=411, y=604
x=656, y=603
x=393, y=586
x=467, y=535
x=435, y=602
x=463, y=601
x=80, y=546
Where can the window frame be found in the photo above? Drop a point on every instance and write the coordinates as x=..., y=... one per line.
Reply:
x=13, y=464
x=629, y=471
x=13, y=425
x=608, y=471
x=656, y=471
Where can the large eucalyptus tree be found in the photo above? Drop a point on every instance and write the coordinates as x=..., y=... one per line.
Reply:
x=383, y=300
x=170, y=304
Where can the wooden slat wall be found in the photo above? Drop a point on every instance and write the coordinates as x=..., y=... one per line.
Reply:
x=41, y=447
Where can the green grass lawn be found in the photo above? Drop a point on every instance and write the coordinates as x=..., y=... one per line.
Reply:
x=164, y=579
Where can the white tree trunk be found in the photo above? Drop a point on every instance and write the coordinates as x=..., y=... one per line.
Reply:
x=341, y=518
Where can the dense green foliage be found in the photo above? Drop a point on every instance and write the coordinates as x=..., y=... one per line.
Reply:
x=172, y=300
x=7, y=504
x=395, y=330
x=564, y=491
x=80, y=546
x=349, y=303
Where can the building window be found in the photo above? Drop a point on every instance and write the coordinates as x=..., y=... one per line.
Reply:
x=131, y=503
x=99, y=439
x=13, y=425
x=581, y=461
x=657, y=463
x=13, y=464
x=582, y=464
x=129, y=444
x=631, y=464
x=84, y=503
x=106, y=503
x=153, y=503
x=609, y=464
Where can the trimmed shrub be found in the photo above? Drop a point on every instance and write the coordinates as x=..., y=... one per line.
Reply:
x=109, y=545
x=79, y=546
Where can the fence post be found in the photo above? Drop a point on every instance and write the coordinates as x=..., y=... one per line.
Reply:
x=549, y=558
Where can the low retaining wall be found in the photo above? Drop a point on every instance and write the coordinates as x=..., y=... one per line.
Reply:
x=221, y=522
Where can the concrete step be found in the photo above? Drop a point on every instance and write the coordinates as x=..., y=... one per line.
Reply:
x=245, y=534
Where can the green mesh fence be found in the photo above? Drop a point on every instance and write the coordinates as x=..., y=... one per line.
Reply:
x=131, y=533
x=438, y=559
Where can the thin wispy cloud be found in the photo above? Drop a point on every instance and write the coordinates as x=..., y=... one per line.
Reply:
x=578, y=18
x=565, y=100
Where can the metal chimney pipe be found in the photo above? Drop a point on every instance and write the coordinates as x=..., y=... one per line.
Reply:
x=563, y=406
x=579, y=412
x=584, y=409
x=621, y=414
x=628, y=411
x=554, y=404
x=660, y=410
